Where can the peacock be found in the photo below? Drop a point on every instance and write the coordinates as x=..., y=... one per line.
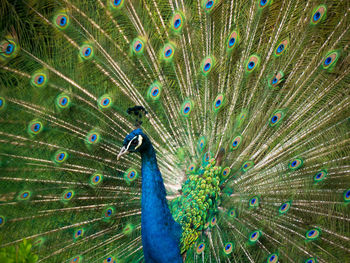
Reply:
x=174, y=131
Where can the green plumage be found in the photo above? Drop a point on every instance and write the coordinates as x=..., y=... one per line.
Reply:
x=258, y=88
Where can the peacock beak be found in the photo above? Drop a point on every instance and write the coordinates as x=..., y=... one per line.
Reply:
x=123, y=151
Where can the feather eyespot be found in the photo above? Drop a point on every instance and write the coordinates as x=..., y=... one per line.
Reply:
x=320, y=176
x=177, y=22
x=263, y=3
x=247, y=166
x=62, y=101
x=208, y=5
x=109, y=259
x=213, y=221
x=284, y=208
x=202, y=142
x=96, y=179
x=312, y=234
x=226, y=172
x=78, y=233
x=228, y=248
x=200, y=248
x=108, y=213
x=60, y=157
x=318, y=14
x=116, y=4
x=295, y=164
x=206, y=157
x=61, y=21
x=8, y=49
x=130, y=175
x=186, y=108
x=92, y=137
x=218, y=102
x=86, y=52
x=330, y=59
x=191, y=168
x=282, y=47
x=24, y=195
x=276, y=80
x=311, y=260
x=254, y=236
x=168, y=52
x=232, y=40
x=273, y=258
x=207, y=65
x=241, y=117
x=154, y=91
x=138, y=46
x=35, y=127
x=76, y=259
x=254, y=202
x=105, y=102
x=68, y=195
x=232, y=213
x=276, y=118
x=252, y=63
x=39, y=80
x=236, y=142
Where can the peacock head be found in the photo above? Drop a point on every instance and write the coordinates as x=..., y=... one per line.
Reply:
x=133, y=142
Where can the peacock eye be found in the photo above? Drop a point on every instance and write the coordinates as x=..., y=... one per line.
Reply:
x=134, y=142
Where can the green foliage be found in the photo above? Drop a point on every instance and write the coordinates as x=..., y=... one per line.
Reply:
x=18, y=253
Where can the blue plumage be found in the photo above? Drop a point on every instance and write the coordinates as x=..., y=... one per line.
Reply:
x=160, y=233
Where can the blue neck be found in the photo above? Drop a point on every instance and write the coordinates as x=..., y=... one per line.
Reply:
x=152, y=182
x=159, y=231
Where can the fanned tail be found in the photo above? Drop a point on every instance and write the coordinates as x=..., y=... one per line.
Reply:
x=248, y=111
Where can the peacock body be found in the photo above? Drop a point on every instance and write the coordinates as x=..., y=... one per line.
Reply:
x=244, y=154
x=159, y=230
